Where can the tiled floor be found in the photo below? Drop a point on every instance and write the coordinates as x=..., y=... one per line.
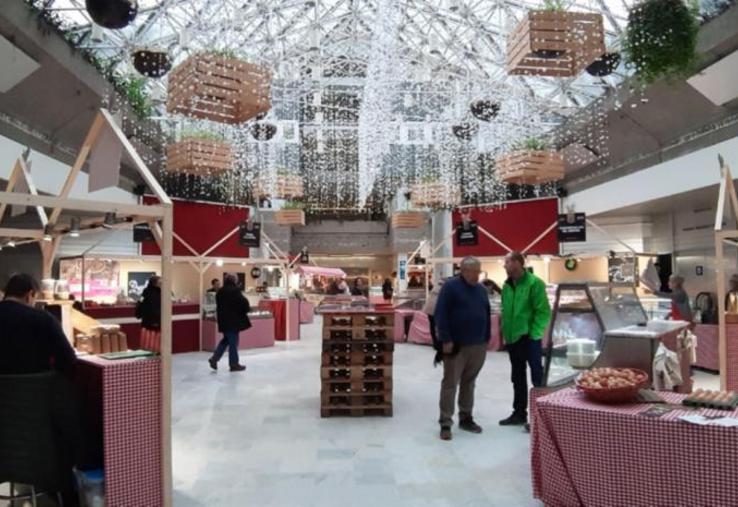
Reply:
x=258, y=439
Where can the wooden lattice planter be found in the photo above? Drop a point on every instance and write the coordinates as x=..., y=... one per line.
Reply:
x=199, y=157
x=284, y=187
x=290, y=217
x=433, y=195
x=530, y=167
x=218, y=88
x=408, y=220
x=548, y=43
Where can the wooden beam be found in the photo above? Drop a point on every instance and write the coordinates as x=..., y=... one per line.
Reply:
x=493, y=238
x=82, y=155
x=12, y=180
x=26, y=173
x=166, y=355
x=722, y=344
x=48, y=252
x=540, y=236
x=61, y=203
x=7, y=232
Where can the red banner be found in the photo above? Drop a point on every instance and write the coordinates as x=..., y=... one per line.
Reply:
x=201, y=225
x=516, y=224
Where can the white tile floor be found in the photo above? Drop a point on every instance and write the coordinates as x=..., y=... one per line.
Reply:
x=258, y=439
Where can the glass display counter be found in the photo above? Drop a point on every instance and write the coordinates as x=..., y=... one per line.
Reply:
x=582, y=313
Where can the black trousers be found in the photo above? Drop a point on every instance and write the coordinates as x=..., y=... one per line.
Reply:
x=432, y=324
x=522, y=352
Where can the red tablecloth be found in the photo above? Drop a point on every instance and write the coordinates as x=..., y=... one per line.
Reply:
x=420, y=331
x=278, y=307
x=307, y=312
x=708, y=355
x=260, y=334
x=598, y=455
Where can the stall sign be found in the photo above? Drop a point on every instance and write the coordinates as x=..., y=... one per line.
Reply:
x=142, y=232
x=467, y=233
x=572, y=227
x=249, y=234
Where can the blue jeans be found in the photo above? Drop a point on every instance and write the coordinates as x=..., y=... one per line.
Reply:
x=230, y=340
x=522, y=352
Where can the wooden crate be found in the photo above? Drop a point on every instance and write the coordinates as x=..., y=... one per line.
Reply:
x=218, y=88
x=354, y=411
x=199, y=156
x=284, y=187
x=352, y=373
x=340, y=360
x=531, y=167
x=290, y=217
x=331, y=400
x=360, y=385
x=348, y=346
x=430, y=195
x=408, y=219
x=377, y=319
x=573, y=40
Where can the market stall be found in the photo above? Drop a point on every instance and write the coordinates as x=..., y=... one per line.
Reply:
x=647, y=456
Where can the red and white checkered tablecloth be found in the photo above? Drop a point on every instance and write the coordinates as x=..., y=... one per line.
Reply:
x=587, y=454
x=131, y=416
x=707, y=346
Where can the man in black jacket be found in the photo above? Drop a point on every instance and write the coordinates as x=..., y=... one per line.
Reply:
x=232, y=309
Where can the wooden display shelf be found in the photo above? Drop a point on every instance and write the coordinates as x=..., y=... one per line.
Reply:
x=348, y=346
x=219, y=88
x=531, y=167
x=559, y=44
x=365, y=359
x=290, y=217
x=284, y=187
x=350, y=373
x=338, y=400
x=429, y=195
x=362, y=385
x=334, y=411
x=199, y=157
x=408, y=219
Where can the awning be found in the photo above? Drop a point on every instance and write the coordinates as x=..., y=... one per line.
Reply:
x=319, y=271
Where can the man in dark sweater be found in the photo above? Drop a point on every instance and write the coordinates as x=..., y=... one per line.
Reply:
x=462, y=318
x=31, y=341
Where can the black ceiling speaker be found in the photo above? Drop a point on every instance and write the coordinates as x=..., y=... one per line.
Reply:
x=604, y=65
x=112, y=13
x=263, y=131
x=465, y=131
x=484, y=110
x=151, y=63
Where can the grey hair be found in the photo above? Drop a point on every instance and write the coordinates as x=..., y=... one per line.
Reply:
x=470, y=262
x=677, y=279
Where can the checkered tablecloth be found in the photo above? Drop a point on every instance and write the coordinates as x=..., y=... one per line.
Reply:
x=707, y=346
x=587, y=454
x=131, y=417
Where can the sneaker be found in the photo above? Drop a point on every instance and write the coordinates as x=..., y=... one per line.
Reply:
x=213, y=364
x=445, y=433
x=470, y=426
x=514, y=420
x=238, y=367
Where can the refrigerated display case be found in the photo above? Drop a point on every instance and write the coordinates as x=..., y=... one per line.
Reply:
x=582, y=313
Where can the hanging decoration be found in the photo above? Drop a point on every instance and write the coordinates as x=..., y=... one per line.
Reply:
x=263, y=131
x=151, y=62
x=532, y=163
x=199, y=156
x=484, y=110
x=604, y=65
x=283, y=186
x=465, y=131
x=113, y=14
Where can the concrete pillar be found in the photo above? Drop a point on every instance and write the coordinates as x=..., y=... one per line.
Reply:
x=441, y=224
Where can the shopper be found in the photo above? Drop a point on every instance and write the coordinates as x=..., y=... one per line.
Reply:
x=430, y=309
x=525, y=317
x=731, y=298
x=680, y=307
x=462, y=316
x=31, y=340
x=148, y=309
x=232, y=309
x=387, y=289
x=343, y=287
x=215, y=285
x=359, y=288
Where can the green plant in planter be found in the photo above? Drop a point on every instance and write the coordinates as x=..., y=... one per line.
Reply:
x=555, y=5
x=661, y=38
x=293, y=204
x=530, y=144
x=224, y=53
x=134, y=90
x=206, y=135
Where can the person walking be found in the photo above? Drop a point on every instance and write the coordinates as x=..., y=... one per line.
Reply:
x=232, y=310
x=387, y=289
x=148, y=310
x=462, y=316
x=525, y=317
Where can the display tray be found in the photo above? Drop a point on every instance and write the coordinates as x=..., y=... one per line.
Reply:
x=129, y=354
x=727, y=404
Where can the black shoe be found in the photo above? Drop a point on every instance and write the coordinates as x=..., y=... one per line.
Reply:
x=527, y=427
x=238, y=367
x=514, y=420
x=446, y=433
x=213, y=364
x=470, y=426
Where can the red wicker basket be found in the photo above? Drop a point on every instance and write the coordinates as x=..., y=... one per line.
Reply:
x=615, y=395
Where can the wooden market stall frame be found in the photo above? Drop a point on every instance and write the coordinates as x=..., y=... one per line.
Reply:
x=49, y=237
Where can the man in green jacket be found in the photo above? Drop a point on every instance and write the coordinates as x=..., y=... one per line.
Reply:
x=525, y=317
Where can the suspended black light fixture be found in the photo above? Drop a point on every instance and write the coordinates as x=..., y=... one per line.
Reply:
x=465, y=131
x=484, y=110
x=151, y=62
x=604, y=65
x=112, y=13
x=263, y=131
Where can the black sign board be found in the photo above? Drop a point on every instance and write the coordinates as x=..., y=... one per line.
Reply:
x=304, y=256
x=572, y=227
x=467, y=233
x=250, y=234
x=141, y=233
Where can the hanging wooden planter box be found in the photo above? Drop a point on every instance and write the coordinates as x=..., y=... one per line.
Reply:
x=218, y=88
x=408, y=220
x=434, y=195
x=199, y=157
x=548, y=43
x=531, y=167
x=284, y=187
x=290, y=217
